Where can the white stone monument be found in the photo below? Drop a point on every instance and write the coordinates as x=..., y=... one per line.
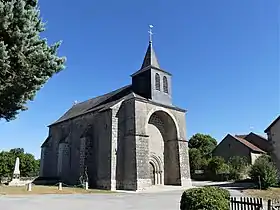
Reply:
x=16, y=175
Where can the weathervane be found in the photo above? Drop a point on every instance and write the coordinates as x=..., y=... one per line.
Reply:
x=151, y=33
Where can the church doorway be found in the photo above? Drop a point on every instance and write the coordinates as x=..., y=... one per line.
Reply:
x=152, y=174
x=163, y=144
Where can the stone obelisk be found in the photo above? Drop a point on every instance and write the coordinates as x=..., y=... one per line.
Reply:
x=16, y=174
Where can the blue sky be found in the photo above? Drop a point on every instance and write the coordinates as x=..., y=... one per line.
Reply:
x=224, y=57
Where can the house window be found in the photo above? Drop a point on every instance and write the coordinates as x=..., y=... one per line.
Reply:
x=157, y=82
x=165, y=84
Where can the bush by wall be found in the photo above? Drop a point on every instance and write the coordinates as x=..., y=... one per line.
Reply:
x=206, y=198
x=264, y=172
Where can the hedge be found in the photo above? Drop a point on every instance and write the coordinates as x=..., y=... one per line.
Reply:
x=206, y=198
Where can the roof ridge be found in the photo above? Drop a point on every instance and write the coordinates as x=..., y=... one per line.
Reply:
x=262, y=137
x=89, y=104
x=248, y=144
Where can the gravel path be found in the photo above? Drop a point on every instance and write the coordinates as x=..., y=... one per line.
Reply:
x=165, y=200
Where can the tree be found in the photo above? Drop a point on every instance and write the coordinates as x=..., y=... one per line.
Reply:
x=265, y=172
x=204, y=143
x=26, y=60
x=5, y=164
x=197, y=161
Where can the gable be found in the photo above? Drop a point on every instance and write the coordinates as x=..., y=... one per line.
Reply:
x=242, y=142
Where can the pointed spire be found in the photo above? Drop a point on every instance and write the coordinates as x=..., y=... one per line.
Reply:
x=150, y=57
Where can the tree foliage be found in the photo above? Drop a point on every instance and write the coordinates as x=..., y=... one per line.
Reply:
x=217, y=165
x=26, y=60
x=264, y=170
x=200, y=148
x=197, y=161
x=238, y=167
x=204, y=143
x=29, y=166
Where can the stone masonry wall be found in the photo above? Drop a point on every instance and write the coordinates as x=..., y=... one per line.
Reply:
x=142, y=112
x=124, y=141
x=72, y=130
x=103, y=135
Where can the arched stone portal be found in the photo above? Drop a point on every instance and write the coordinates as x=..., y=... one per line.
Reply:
x=163, y=145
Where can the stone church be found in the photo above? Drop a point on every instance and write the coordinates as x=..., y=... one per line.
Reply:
x=128, y=139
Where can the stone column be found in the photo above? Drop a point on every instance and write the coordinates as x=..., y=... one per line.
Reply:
x=161, y=177
x=114, y=147
x=184, y=163
x=156, y=178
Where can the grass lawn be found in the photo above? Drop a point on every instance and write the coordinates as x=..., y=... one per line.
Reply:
x=272, y=193
x=38, y=189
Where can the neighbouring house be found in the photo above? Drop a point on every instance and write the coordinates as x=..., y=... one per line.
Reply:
x=258, y=140
x=273, y=135
x=250, y=146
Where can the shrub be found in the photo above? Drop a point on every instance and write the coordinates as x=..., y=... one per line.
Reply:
x=206, y=198
x=264, y=170
x=238, y=166
x=217, y=169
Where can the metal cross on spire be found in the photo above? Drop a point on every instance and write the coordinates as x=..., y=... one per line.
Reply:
x=151, y=33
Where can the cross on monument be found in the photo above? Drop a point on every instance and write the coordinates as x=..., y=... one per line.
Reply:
x=151, y=33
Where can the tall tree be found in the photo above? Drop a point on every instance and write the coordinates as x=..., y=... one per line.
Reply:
x=204, y=143
x=26, y=60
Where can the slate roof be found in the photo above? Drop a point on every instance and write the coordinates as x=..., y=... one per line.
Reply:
x=100, y=103
x=92, y=104
x=150, y=61
x=248, y=144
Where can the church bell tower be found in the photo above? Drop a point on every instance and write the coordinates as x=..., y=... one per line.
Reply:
x=150, y=81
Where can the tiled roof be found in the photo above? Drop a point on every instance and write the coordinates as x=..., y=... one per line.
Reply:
x=248, y=144
x=243, y=136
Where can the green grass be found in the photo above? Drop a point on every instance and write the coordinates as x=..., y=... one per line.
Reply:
x=272, y=193
x=39, y=190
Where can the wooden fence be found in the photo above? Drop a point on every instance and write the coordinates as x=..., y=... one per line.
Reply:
x=273, y=205
x=253, y=204
x=246, y=203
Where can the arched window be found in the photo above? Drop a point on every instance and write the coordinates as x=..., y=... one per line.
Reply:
x=157, y=81
x=165, y=84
